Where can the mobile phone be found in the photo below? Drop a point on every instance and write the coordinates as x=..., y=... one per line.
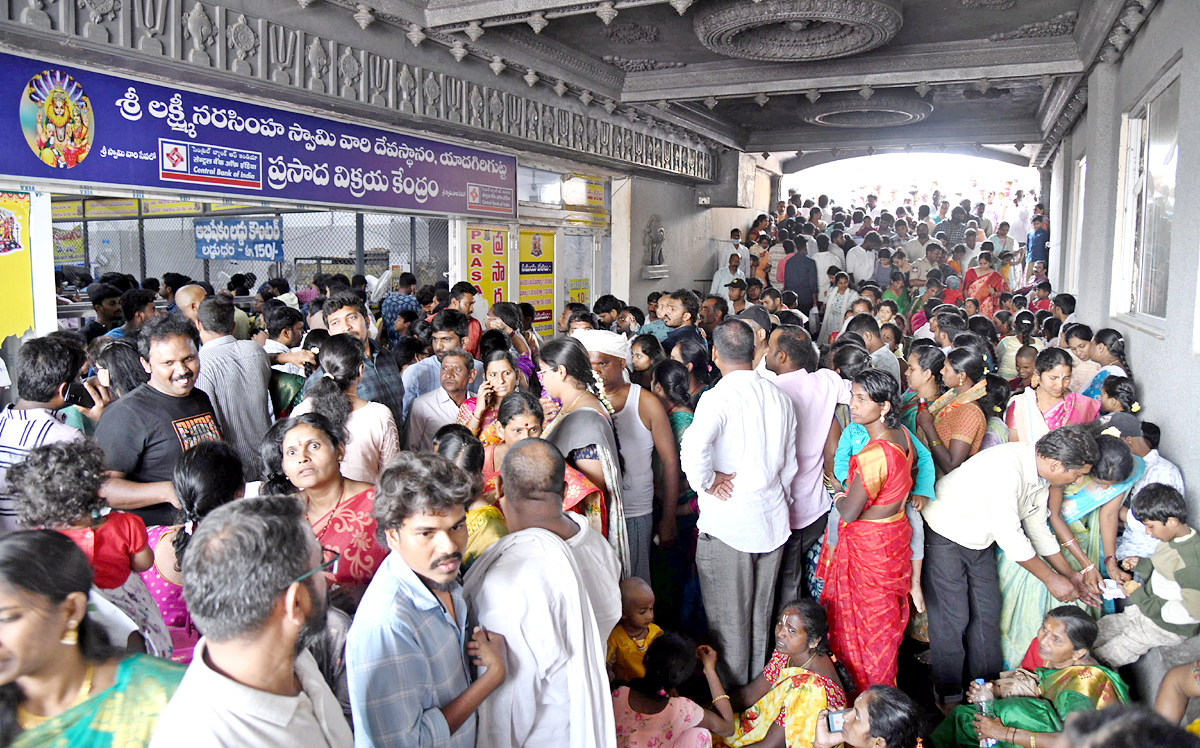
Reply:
x=835, y=720
x=77, y=394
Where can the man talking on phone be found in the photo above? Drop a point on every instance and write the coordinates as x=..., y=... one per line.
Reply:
x=47, y=369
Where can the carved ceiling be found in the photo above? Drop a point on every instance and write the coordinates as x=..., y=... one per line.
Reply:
x=777, y=75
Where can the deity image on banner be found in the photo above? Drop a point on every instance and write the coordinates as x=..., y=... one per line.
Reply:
x=56, y=117
x=10, y=232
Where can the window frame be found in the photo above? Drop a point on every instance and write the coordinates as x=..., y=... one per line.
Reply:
x=1130, y=232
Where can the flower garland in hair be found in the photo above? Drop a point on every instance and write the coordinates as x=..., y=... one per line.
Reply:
x=1135, y=407
x=603, y=396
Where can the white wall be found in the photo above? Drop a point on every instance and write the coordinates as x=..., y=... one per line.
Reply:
x=697, y=236
x=1164, y=365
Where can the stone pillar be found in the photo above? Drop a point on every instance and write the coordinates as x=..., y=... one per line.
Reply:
x=1046, y=173
x=1100, y=194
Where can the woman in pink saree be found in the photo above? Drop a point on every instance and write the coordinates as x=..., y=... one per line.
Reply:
x=985, y=284
x=1048, y=403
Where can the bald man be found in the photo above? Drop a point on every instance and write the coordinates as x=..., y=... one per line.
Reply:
x=534, y=587
x=188, y=300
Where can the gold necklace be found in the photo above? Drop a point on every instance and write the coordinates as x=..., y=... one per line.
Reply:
x=28, y=720
x=567, y=409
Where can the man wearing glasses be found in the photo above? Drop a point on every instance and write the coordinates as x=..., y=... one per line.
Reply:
x=408, y=648
x=251, y=680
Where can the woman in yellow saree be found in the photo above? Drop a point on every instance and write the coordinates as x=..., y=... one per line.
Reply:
x=1032, y=706
x=781, y=707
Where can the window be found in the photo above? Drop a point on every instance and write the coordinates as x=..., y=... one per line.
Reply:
x=1152, y=153
x=538, y=186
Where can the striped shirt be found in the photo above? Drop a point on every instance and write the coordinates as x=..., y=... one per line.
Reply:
x=405, y=660
x=236, y=376
x=20, y=432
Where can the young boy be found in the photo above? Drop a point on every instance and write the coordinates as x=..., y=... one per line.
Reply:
x=1041, y=300
x=1166, y=610
x=628, y=642
x=1026, y=357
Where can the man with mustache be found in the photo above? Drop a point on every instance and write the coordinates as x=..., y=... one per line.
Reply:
x=255, y=584
x=409, y=652
x=144, y=433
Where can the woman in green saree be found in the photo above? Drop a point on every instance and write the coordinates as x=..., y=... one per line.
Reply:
x=1083, y=516
x=1032, y=706
x=62, y=684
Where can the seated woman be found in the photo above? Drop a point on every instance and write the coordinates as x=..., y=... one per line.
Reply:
x=881, y=717
x=1084, y=519
x=368, y=429
x=649, y=713
x=520, y=417
x=1032, y=706
x=781, y=706
x=208, y=475
x=500, y=377
x=57, y=649
x=485, y=522
x=1048, y=403
x=301, y=456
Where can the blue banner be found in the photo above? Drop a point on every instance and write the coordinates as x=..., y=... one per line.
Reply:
x=239, y=239
x=83, y=127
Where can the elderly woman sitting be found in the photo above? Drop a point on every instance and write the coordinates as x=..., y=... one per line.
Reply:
x=1032, y=704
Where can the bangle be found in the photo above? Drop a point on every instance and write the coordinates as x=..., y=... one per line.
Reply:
x=1070, y=542
x=935, y=443
x=1109, y=558
x=1032, y=740
x=1090, y=567
x=722, y=696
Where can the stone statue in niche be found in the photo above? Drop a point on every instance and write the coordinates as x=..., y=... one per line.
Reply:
x=654, y=266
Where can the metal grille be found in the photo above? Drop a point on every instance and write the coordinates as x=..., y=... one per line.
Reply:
x=319, y=241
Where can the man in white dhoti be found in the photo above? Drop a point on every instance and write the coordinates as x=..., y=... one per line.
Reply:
x=529, y=587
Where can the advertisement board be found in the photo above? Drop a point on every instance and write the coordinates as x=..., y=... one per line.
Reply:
x=536, y=277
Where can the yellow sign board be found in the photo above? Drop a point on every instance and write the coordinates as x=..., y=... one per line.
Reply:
x=536, y=277
x=16, y=267
x=487, y=261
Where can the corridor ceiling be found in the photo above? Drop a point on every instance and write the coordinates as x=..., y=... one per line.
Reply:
x=805, y=75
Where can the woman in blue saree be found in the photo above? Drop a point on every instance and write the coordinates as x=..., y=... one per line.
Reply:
x=1084, y=518
x=56, y=648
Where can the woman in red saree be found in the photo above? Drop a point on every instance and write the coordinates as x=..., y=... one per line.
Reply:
x=985, y=284
x=305, y=463
x=868, y=574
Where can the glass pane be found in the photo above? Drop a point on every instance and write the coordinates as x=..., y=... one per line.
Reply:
x=1162, y=155
x=538, y=186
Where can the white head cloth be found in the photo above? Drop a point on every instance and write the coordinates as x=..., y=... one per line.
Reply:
x=603, y=341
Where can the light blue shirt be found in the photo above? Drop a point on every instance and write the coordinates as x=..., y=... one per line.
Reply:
x=657, y=328
x=405, y=659
x=426, y=376
x=855, y=437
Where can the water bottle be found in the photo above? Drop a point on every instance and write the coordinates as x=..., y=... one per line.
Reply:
x=986, y=705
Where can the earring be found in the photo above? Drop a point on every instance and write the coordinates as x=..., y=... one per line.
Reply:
x=71, y=638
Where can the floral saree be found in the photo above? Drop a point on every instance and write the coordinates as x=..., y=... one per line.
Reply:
x=985, y=289
x=1080, y=688
x=795, y=703
x=349, y=529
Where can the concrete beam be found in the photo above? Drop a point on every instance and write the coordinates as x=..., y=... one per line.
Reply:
x=809, y=160
x=967, y=132
x=904, y=66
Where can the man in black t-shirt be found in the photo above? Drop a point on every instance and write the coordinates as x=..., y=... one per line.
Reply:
x=144, y=433
x=680, y=310
x=105, y=299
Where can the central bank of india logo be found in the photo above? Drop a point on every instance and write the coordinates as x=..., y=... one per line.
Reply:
x=56, y=118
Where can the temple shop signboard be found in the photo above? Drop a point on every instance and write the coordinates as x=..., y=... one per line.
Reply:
x=83, y=128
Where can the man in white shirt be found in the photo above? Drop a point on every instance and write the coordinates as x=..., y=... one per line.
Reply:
x=434, y=410
x=535, y=587
x=996, y=498
x=251, y=681
x=285, y=330
x=726, y=275
x=740, y=456
x=860, y=261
